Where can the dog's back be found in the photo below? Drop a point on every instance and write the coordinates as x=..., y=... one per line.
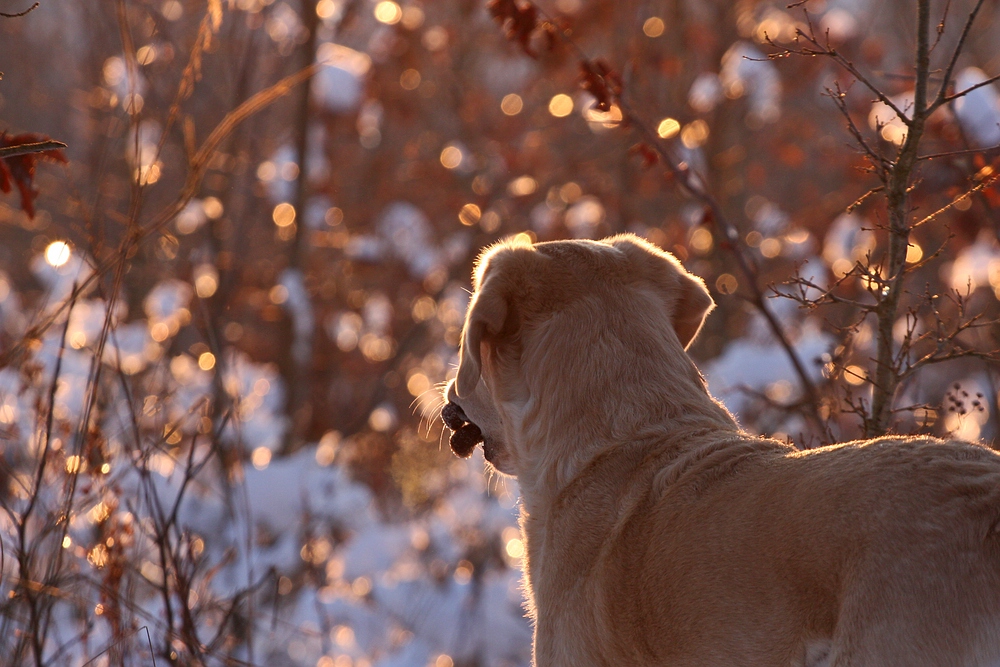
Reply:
x=880, y=553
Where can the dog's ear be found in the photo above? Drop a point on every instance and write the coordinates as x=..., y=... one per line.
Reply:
x=691, y=308
x=691, y=302
x=487, y=314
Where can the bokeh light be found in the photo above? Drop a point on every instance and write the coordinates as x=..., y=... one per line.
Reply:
x=261, y=458
x=694, y=134
x=668, y=128
x=522, y=186
x=283, y=214
x=409, y=79
x=57, y=253
x=451, y=157
x=388, y=12
x=561, y=105
x=653, y=26
x=469, y=215
x=511, y=104
x=206, y=361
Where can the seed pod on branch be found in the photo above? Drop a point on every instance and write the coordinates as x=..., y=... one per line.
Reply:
x=598, y=79
x=520, y=20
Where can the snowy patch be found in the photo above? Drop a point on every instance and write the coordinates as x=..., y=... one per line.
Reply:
x=757, y=362
x=705, y=93
x=747, y=71
x=584, y=217
x=979, y=111
x=339, y=85
x=299, y=307
x=409, y=236
x=977, y=265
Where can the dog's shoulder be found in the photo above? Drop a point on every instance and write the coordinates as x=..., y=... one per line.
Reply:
x=710, y=460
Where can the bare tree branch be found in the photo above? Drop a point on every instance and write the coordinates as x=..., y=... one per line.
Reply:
x=942, y=97
x=19, y=14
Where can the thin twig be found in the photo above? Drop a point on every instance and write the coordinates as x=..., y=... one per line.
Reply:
x=20, y=14
x=832, y=53
x=941, y=25
x=963, y=93
x=25, y=149
x=986, y=182
x=966, y=151
x=942, y=97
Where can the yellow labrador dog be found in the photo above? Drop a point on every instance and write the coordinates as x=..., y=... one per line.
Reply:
x=659, y=533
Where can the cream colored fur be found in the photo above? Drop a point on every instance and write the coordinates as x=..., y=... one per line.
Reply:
x=660, y=533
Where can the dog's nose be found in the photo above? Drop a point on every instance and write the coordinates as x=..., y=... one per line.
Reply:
x=453, y=416
x=464, y=434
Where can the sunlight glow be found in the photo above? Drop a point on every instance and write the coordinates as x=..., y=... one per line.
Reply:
x=98, y=556
x=511, y=104
x=283, y=214
x=413, y=17
x=213, y=208
x=261, y=458
x=380, y=419
x=726, y=283
x=326, y=9
x=463, y=573
x=409, y=79
x=561, y=105
x=653, y=27
x=604, y=119
x=206, y=361
x=515, y=548
x=469, y=215
x=326, y=452
x=361, y=587
x=206, y=282
x=57, y=253
x=701, y=240
x=451, y=157
x=522, y=185
x=388, y=12
x=855, y=375
x=74, y=465
x=770, y=248
x=694, y=134
x=417, y=384
x=668, y=127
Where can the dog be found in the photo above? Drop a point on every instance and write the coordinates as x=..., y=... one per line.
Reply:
x=660, y=533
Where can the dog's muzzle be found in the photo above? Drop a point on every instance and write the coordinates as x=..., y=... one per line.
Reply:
x=464, y=434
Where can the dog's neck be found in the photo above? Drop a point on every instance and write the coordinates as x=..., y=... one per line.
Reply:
x=663, y=416
x=563, y=442
x=564, y=534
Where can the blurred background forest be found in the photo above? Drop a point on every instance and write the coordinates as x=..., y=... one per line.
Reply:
x=222, y=342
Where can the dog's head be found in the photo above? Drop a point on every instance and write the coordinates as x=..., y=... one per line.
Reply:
x=558, y=334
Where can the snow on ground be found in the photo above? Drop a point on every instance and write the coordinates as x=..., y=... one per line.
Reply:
x=747, y=71
x=340, y=84
x=299, y=307
x=976, y=265
x=758, y=362
x=978, y=112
